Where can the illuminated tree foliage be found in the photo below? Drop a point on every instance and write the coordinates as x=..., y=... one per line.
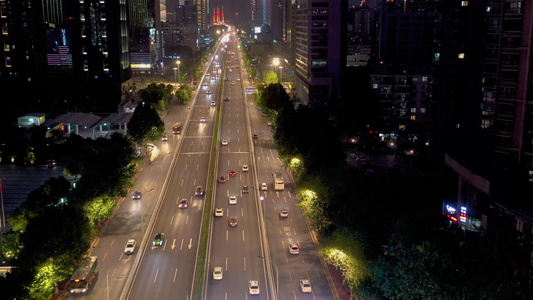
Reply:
x=270, y=77
x=344, y=250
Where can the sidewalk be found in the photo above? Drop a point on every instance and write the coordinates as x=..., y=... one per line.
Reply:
x=342, y=290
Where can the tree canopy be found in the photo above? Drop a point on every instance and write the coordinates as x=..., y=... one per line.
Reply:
x=145, y=124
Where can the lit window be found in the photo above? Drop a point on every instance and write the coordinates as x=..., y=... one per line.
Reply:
x=413, y=118
x=461, y=56
x=423, y=110
x=424, y=78
x=464, y=3
x=413, y=110
x=375, y=86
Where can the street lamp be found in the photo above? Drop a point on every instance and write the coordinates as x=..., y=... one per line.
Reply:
x=281, y=74
x=275, y=62
x=178, y=62
x=175, y=80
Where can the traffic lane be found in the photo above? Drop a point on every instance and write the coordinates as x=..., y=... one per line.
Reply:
x=236, y=249
x=180, y=226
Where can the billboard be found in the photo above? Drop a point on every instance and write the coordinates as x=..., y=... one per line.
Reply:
x=58, y=51
x=257, y=30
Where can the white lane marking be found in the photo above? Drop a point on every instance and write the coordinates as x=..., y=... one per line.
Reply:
x=228, y=162
x=171, y=220
x=290, y=195
x=226, y=234
x=197, y=167
x=187, y=220
x=181, y=245
x=242, y=212
x=175, y=273
x=181, y=182
x=244, y=263
x=156, y=272
x=186, y=167
x=243, y=235
x=226, y=263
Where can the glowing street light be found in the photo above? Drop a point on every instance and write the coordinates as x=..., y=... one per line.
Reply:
x=178, y=63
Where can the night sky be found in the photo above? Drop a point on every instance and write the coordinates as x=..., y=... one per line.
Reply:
x=238, y=12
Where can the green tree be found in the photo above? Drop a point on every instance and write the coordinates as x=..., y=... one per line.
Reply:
x=100, y=208
x=274, y=96
x=145, y=124
x=270, y=77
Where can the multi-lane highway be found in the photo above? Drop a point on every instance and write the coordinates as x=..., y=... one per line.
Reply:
x=236, y=249
x=242, y=251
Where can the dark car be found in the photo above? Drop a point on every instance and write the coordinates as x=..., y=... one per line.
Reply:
x=159, y=239
x=226, y=99
x=232, y=222
x=245, y=189
x=255, y=136
x=222, y=179
x=137, y=195
x=199, y=191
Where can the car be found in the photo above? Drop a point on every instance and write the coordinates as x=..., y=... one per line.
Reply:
x=255, y=137
x=232, y=222
x=137, y=195
x=253, y=287
x=205, y=83
x=165, y=137
x=199, y=191
x=232, y=173
x=219, y=212
x=305, y=286
x=245, y=168
x=183, y=203
x=217, y=273
x=130, y=246
x=213, y=103
x=225, y=142
x=227, y=78
x=209, y=91
x=232, y=200
x=245, y=189
x=159, y=239
x=202, y=119
x=264, y=186
x=269, y=123
x=284, y=213
x=221, y=179
x=294, y=248
x=226, y=99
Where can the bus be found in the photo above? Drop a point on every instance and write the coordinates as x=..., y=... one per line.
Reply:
x=176, y=129
x=279, y=183
x=84, y=276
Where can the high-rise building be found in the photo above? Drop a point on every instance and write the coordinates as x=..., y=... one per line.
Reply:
x=201, y=14
x=319, y=40
x=187, y=23
x=82, y=44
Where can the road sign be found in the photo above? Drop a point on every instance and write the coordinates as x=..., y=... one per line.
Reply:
x=249, y=91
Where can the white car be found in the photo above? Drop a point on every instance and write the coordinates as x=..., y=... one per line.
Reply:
x=213, y=103
x=245, y=168
x=217, y=273
x=269, y=123
x=294, y=248
x=205, y=83
x=305, y=286
x=219, y=212
x=130, y=246
x=253, y=287
x=232, y=199
x=264, y=186
x=202, y=119
x=225, y=142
